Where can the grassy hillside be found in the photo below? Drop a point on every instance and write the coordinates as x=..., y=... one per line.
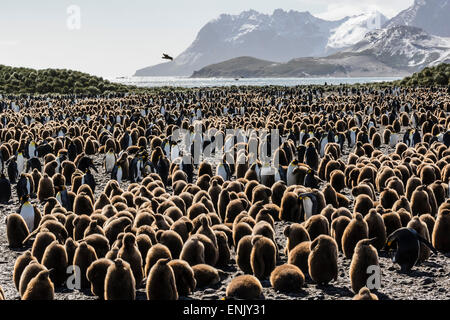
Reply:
x=56, y=81
x=430, y=76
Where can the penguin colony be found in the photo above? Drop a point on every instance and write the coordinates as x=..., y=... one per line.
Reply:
x=356, y=173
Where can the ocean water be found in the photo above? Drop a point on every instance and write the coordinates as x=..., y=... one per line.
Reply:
x=186, y=82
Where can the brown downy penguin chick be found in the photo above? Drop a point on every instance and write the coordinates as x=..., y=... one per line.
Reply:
x=429, y=221
x=356, y=230
x=298, y=256
x=422, y=230
x=184, y=277
x=70, y=246
x=278, y=190
x=243, y=254
x=205, y=275
x=102, y=201
x=240, y=230
x=224, y=250
x=244, y=287
x=440, y=236
x=183, y=227
x=264, y=228
x=402, y=202
x=317, y=225
x=388, y=197
x=161, y=282
x=119, y=281
x=295, y=234
x=84, y=256
x=363, y=203
x=322, y=261
x=338, y=227
x=337, y=180
x=42, y=241
x=377, y=229
x=290, y=207
x=193, y=251
x=144, y=244
x=21, y=263
x=112, y=254
x=115, y=227
x=96, y=274
x=234, y=208
x=156, y=252
x=224, y=200
x=211, y=252
x=171, y=240
x=206, y=230
x=330, y=196
x=30, y=271
x=80, y=225
x=83, y=205
x=16, y=230
x=46, y=188
x=130, y=253
x=365, y=294
x=365, y=256
x=420, y=203
x=287, y=278
x=92, y=229
x=392, y=222
x=40, y=287
x=55, y=259
x=262, y=256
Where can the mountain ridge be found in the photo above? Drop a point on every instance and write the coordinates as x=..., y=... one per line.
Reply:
x=279, y=37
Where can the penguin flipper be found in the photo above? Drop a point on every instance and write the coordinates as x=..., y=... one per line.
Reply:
x=427, y=243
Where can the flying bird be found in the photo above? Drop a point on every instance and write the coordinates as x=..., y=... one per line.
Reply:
x=167, y=57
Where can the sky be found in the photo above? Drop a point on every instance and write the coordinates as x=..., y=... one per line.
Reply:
x=112, y=38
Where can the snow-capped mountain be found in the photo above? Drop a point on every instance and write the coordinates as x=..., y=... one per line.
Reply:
x=431, y=15
x=354, y=29
x=395, y=51
x=279, y=37
x=405, y=47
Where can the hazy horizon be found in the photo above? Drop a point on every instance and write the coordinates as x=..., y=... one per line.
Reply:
x=115, y=38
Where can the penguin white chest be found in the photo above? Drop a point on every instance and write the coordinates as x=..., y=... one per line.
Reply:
x=222, y=172
x=31, y=150
x=139, y=166
x=174, y=153
x=27, y=213
x=167, y=149
x=119, y=174
x=290, y=175
x=307, y=206
x=323, y=144
x=28, y=186
x=393, y=140
x=20, y=163
x=109, y=162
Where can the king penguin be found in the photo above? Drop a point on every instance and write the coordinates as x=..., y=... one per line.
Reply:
x=309, y=201
x=109, y=160
x=408, y=247
x=28, y=213
x=116, y=173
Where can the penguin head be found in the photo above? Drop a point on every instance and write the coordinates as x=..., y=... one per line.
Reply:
x=25, y=199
